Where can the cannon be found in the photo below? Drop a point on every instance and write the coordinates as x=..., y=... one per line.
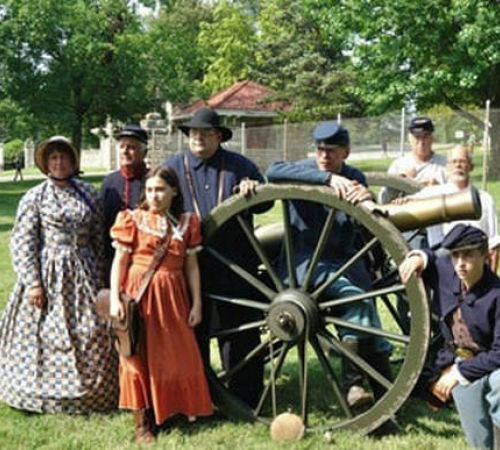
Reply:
x=299, y=342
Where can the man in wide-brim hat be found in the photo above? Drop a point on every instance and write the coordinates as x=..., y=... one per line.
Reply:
x=208, y=175
x=60, y=143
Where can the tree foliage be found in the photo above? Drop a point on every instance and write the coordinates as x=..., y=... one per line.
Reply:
x=296, y=60
x=70, y=63
x=228, y=43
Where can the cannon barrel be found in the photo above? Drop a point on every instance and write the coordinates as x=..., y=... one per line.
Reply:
x=416, y=213
x=421, y=213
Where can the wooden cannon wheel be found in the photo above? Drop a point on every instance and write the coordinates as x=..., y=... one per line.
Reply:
x=299, y=342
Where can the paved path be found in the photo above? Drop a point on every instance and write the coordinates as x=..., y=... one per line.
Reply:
x=39, y=176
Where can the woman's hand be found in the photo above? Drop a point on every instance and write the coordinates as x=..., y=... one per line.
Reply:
x=194, y=316
x=36, y=296
x=116, y=309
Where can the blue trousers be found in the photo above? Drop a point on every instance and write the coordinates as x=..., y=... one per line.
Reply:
x=478, y=406
x=361, y=313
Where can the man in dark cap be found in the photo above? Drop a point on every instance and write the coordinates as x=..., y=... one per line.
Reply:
x=422, y=164
x=328, y=168
x=122, y=188
x=209, y=174
x=467, y=294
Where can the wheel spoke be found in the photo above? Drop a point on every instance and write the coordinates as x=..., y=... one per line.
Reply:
x=256, y=351
x=239, y=302
x=318, y=251
x=405, y=339
x=335, y=276
x=302, y=350
x=289, y=253
x=394, y=313
x=275, y=371
x=330, y=374
x=358, y=297
x=260, y=252
x=238, y=329
x=362, y=364
x=248, y=277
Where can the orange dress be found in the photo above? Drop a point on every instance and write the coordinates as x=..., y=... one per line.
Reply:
x=167, y=374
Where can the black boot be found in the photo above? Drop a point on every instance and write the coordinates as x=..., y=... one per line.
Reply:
x=356, y=394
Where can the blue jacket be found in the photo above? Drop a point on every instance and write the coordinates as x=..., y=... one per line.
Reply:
x=480, y=311
x=307, y=220
x=231, y=240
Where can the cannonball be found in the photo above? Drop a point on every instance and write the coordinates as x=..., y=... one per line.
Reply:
x=287, y=427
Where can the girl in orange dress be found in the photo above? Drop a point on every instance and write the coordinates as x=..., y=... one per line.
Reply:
x=166, y=376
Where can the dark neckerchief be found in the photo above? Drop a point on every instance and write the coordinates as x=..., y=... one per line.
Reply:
x=192, y=189
x=135, y=172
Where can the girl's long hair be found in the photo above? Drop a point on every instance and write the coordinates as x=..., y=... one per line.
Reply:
x=168, y=175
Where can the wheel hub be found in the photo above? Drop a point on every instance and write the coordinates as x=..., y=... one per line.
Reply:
x=291, y=313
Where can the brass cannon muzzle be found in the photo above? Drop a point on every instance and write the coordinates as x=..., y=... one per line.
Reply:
x=421, y=213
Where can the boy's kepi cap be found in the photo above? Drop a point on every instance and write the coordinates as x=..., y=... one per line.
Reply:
x=464, y=237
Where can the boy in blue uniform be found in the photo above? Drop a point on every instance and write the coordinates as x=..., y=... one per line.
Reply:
x=467, y=294
x=328, y=168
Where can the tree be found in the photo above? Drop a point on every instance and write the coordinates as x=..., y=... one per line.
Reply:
x=173, y=61
x=71, y=63
x=228, y=43
x=296, y=60
x=428, y=52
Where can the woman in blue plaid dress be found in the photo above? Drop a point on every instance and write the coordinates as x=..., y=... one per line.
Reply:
x=55, y=352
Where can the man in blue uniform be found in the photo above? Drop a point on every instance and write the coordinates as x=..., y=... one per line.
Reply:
x=122, y=188
x=467, y=294
x=209, y=174
x=329, y=169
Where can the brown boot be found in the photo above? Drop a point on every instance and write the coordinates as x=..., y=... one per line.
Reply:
x=356, y=394
x=144, y=432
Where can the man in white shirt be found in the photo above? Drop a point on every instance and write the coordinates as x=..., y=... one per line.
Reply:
x=459, y=168
x=422, y=164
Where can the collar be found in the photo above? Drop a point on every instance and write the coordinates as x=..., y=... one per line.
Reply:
x=135, y=172
x=214, y=160
x=478, y=290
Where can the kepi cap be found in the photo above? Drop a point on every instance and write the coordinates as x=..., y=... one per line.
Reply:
x=135, y=131
x=330, y=134
x=421, y=125
x=464, y=237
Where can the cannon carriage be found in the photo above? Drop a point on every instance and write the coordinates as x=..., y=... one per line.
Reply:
x=299, y=343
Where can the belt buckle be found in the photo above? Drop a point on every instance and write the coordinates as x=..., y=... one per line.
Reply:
x=464, y=353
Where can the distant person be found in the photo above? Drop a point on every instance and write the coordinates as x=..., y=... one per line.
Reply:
x=122, y=188
x=467, y=296
x=471, y=143
x=166, y=376
x=55, y=352
x=18, y=166
x=422, y=164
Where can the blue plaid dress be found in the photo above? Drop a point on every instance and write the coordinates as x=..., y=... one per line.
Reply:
x=59, y=358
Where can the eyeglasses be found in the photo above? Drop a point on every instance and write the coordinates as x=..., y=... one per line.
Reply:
x=205, y=132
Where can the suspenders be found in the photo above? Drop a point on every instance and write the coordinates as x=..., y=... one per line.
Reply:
x=194, y=197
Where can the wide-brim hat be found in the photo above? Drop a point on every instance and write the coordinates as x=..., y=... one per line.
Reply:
x=41, y=153
x=206, y=118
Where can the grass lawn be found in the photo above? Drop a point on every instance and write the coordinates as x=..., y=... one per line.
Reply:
x=422, y=429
